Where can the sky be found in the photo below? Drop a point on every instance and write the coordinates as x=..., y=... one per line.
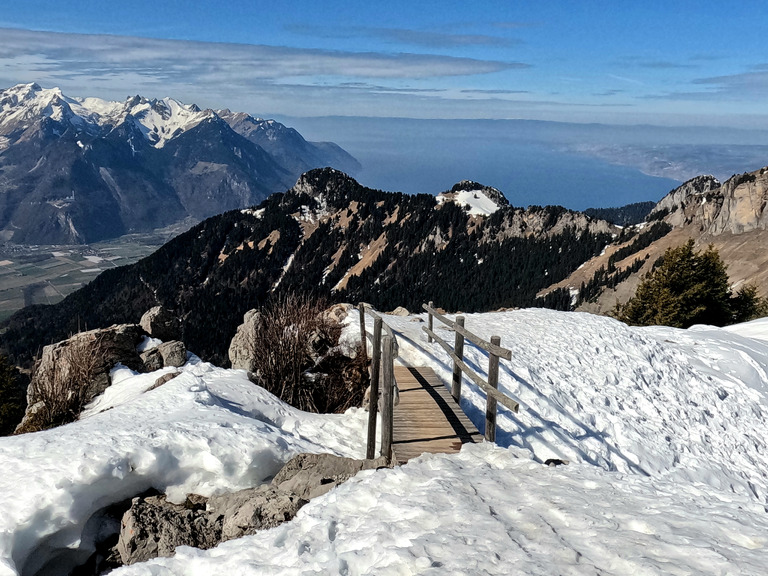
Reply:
x=666, y=63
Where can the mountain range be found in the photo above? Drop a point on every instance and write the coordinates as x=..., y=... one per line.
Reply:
x=331, y=237
x=79, y=170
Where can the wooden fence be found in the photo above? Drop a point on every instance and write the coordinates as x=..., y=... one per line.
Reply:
x=495, y=352
x=384, y=350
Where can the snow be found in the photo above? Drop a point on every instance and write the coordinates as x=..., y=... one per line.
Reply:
x=664, y=429
x=158, y=120
x=479, y=204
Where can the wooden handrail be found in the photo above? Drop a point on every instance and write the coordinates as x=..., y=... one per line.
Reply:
x=476, y=340
x=384, y=350
x=495, y=352
x=500, y=397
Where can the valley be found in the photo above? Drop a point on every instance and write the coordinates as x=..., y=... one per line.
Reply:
x=46, y=274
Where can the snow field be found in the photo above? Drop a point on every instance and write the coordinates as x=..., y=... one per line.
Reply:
x=682, y=404
x=489, y=510
x=664, y=429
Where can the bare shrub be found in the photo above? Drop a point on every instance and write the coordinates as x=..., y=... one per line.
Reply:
x=62, y=393
x=293, y=355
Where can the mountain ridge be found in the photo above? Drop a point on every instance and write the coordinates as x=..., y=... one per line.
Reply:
x=331, y=237
x=74, y=170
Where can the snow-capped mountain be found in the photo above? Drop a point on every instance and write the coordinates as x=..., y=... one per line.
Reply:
x=479, y=199
x=83, y=169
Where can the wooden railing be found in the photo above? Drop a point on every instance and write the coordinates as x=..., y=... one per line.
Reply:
x=384, y=350
x=495, y=352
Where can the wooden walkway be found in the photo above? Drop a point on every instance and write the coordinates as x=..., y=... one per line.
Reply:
x=427, y=419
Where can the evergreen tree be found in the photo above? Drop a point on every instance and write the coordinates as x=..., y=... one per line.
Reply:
x=13, y=398
x=687, y=288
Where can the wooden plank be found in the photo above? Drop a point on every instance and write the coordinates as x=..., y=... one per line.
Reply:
x=427, y=419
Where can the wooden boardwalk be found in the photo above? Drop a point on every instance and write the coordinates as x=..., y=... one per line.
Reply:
x=427, y=419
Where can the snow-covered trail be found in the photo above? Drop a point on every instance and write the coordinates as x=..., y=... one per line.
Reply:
x=683, y=404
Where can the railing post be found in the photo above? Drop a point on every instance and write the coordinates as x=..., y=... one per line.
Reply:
x=493, y=382
x=373, y=402
x=430, y=321
x=458, y=348
x=364, y=343
x=386, y=397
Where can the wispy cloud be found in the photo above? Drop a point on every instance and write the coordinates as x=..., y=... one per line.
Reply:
x=746, y=86
x=257, y=78
x=425, y=38
x=493, y=92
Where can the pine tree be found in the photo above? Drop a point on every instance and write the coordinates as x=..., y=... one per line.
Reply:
x=687, y=288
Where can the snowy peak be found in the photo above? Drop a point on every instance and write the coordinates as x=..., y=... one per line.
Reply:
x=162, y=120
x=480, y=200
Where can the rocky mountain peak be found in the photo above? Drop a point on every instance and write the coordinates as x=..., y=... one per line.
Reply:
x=324, y=182
x=479, y=199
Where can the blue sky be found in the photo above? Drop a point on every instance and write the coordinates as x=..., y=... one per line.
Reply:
x=666, y=63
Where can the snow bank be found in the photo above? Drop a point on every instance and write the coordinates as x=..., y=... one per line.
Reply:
x=685, y=404
x=486, y=511
x=206, y=431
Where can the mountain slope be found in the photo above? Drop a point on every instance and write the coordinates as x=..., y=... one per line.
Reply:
x=331, y=237
x=731, y=216
x=76, y=170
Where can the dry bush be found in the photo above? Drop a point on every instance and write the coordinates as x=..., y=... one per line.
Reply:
x=63, y=393
x=293, y=355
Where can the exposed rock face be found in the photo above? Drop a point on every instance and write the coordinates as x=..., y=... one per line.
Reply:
x=311, y=475
x=155, y=527
x=735, y=207
x=241, y=347
x=161, y=323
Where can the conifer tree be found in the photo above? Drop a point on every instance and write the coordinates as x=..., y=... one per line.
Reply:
x=688, y=288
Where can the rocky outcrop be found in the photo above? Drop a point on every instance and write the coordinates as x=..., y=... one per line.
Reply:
x=737, y=206
x=166, y=354
x=77, y=369
x=161, y=323
x=241, y=348
x=154, y=527
x=71, y=373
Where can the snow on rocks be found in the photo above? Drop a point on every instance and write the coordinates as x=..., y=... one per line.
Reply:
x=207, y=431
x=489, y=511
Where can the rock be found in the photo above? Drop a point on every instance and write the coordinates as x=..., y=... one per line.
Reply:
x=173, y=353
x=241, y=347
x=163, y=379
x=311, y=475
x=152, y=360
x=400, y=311
x=248, y=511
x=76, y=370
x=338, y=312
x=153, y=527
x=161, y=323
